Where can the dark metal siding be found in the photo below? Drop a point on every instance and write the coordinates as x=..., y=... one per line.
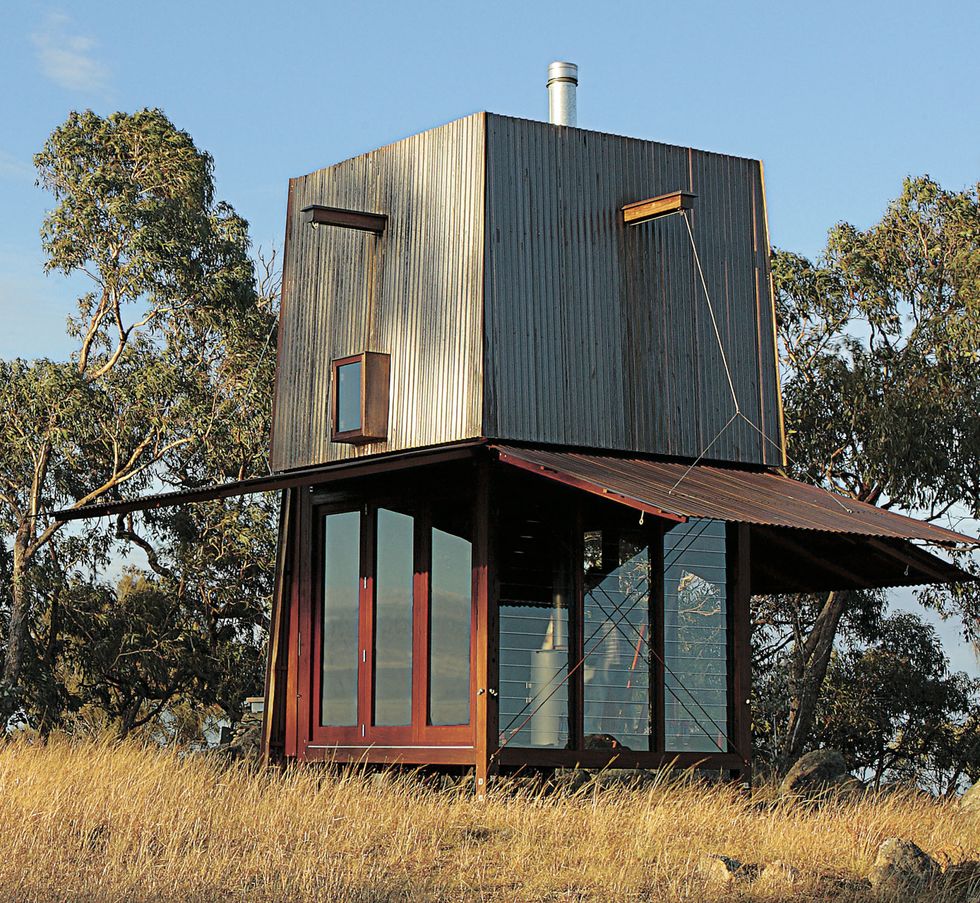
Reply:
x=598, y=334
x=415, y=292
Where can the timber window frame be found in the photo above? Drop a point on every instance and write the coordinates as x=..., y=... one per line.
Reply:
x=373, y=391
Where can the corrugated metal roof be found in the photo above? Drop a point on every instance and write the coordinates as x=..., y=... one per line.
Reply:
x=681, y=491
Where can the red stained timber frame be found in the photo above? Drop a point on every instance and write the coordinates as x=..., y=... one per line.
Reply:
x=419, y=741
x=375, y=379
x=475, y=743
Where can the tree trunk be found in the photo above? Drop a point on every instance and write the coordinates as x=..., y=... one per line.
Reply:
x=810, y=667
x=51, y=713
x=17, y=633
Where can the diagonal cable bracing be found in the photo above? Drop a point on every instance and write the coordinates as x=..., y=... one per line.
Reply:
x=615, y=624
x=728, y=373
x=711, y=312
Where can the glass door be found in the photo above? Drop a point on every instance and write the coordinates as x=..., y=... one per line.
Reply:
x=394, y=626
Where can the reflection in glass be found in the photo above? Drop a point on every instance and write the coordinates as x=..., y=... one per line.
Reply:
x=341, y=566
x=616, y=705
x=533, y=664
x=696, y=637
x=349, y=397
x=393, y=618
x=535, y=588
x=449, y=629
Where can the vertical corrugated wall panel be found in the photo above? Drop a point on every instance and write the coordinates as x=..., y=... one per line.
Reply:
x=598, y=334
x=416, y=293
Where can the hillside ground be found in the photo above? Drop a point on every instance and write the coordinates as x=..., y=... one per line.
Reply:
x=114, y=822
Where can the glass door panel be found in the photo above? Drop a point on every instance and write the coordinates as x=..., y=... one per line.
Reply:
x=393, y=585
x=450, y=612
x=535, y=589
x=341, y=611
x=394, y=620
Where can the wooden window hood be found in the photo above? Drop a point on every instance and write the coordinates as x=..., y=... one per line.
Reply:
x=318, y=215
x=653, y=208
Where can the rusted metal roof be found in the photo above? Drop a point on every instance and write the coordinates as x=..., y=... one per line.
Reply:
x=681, y=491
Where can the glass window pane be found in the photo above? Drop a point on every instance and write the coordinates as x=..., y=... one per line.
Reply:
x=349, y=397
x=449, y=629
x=695, y=637
x=533, y=666
x=341, y=575
x=616, y=705
x=393, y=618
x=535, y=589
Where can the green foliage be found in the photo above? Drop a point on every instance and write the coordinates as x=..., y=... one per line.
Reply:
x=880, y=358
x=896, y=711
x=170, y=386
x=880, y=345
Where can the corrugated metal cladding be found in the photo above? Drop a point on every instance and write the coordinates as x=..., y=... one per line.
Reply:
x=598, y=334
x=415, y=292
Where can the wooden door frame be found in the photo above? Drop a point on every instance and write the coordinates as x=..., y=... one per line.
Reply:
x=367, y=740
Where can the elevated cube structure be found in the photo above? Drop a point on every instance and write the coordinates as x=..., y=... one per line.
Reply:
x=528, y=432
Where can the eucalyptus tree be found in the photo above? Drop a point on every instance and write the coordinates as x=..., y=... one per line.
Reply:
x=897, y=713
x=168, y=384
x=880, y=357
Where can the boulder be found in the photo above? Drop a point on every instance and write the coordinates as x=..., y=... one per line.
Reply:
x=816, y=773
x=778, y=875
x=901, y=868
x=625, y=778
x=721, y=871
x=570, y=780
x=970, y=801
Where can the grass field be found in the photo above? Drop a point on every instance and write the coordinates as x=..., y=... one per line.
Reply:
x=90, y=821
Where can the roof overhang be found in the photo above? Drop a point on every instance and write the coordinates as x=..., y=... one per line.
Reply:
x=305, y=476
x=803, y=538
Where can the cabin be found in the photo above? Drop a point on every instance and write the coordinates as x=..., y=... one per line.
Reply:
x=528, y=435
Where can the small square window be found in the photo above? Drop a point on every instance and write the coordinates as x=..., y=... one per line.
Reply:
x=360, y=399
x=349, y=396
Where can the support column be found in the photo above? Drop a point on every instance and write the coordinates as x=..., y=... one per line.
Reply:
x=485, y=598
x=273, y=719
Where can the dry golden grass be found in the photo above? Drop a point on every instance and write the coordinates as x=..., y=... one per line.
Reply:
x=106, y=822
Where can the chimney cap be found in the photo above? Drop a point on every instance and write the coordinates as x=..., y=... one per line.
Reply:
x=559, y=71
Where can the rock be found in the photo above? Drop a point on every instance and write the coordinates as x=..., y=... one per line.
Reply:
x=970, y=801
x=570, y=779
x=901, y=867
x=778, y=874
x=721, y=871
x=625, y=778
x=816, y=773
x=245, y=742
x=847, y=785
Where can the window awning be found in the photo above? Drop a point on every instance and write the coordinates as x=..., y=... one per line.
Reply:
x=804, y=539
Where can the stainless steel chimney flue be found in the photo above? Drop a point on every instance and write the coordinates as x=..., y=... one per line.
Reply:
x=562, y=84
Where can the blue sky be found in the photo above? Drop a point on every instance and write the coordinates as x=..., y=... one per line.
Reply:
x=840, y=100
